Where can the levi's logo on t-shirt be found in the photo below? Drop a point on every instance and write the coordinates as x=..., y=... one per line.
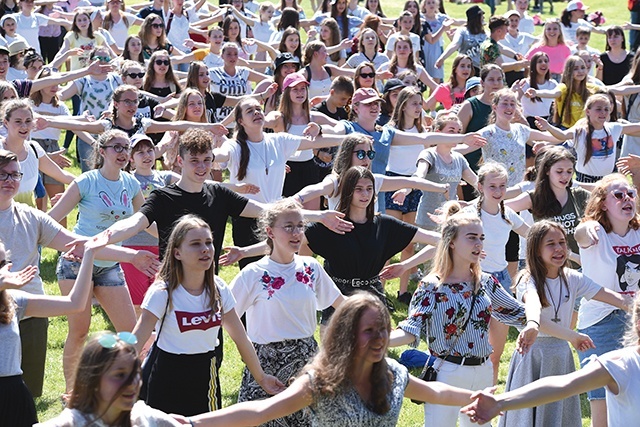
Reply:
x=197, y=321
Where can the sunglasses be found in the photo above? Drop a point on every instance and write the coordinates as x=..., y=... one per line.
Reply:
x=118, y=148
x=620, y=195
x=109, y=339
x=4, y=262
x=16, y=176
x=135, y=75
x=368, y=75
x=157, y=25
x=102, y=58
x=163, y=62
x=361, y=154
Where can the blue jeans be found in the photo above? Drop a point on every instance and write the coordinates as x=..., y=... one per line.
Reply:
x=607, y=335
x=504, y=278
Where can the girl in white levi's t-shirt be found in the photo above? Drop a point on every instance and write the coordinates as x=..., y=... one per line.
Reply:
x=281, y=294
x=187, y=307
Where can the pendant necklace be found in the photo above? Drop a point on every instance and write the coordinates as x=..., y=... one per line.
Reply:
x=555, y=319
x=264, y=159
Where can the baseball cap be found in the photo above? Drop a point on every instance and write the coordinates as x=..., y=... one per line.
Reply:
x=392, y=84
x=473, y=11
x=508, y=14
x=471, y=83
x=286, y=58
x=576, y=5
x=138, y=138
x=365, y=96
x=293, y=79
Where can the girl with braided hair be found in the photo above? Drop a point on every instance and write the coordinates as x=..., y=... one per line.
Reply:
x=497, y=221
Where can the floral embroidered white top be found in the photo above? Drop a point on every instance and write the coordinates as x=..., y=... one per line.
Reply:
x=282, y=300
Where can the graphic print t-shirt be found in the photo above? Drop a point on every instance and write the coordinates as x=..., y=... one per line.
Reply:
x=189, y=325
x=603, y=144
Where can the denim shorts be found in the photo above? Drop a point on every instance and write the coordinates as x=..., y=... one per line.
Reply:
x=607, y=335
x=102, y=276
x=411, y=201
x=504, y=278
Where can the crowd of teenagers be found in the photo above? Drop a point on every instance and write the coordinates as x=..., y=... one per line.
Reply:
x=355, y=147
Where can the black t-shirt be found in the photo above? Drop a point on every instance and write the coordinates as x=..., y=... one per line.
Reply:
x=213, y=101
x=340, y=114
x=362, y=252
x=215, y=204
x=149, y=10
x=612, y=73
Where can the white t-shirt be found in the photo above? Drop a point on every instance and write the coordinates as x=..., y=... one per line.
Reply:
x=403, y=158
x=282, y=300
x=393, y=38
x=560, y=297
x=526, y=24
x=262, y=31
x=120, y=31
x=29, y=27
x=497, y=232
x=538, y=108
x=612, y=263
x=49, y=110
x=141, y=415
x=603, y=158
x=189, y=326
x=179, y=28
x=526, y=216
x=521, y=44
x=623, y=409
x=507, y=148
x=213, y=61
x=29, y=167
x=227, y=85
x=569, y=33
x=266, y=167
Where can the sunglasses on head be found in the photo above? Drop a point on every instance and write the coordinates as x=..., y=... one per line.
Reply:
x=4, y=262
x=109, y=339
x=368, y=75
x=154, y=25
x=163, y=62
x=135, y=75
x=361, y=154
x=620, y=195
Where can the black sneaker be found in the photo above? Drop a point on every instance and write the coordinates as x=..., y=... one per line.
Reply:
x=405, y=298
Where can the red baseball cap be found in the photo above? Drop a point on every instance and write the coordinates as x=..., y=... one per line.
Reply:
x=365, y=96
x=293, y=79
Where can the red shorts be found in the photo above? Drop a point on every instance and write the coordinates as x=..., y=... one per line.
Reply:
x=137, y=281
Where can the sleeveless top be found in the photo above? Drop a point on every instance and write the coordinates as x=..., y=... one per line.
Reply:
x=318, y=87
x=300, y=155
x=479, y=119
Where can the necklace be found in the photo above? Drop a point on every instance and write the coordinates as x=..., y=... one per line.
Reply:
x=264, y=159
x=555, y=319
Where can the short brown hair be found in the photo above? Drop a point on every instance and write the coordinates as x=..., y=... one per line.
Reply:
x=195, y=141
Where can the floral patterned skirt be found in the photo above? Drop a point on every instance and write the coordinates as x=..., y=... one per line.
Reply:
x=284, y=360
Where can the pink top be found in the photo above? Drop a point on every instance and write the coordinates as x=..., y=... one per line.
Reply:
x=557, y=55
x=443, y=95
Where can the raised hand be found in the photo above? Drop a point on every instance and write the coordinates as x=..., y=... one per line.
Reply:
x=16, y=280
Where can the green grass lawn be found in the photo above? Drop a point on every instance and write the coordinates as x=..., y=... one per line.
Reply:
x=49, y=404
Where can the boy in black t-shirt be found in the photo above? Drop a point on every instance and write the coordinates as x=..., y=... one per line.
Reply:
x=334, y=106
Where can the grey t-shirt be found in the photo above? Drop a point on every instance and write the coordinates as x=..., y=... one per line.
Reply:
x=22, y=230
x=439, y=172
x=11, y=350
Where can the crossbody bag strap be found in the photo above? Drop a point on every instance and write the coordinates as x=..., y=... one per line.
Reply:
x=473, y=303
x=163, y=316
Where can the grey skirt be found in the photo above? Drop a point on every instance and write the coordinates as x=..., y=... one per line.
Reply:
x=548, y=356
x=284, y=360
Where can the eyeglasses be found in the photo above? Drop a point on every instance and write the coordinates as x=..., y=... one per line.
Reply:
x=129, y=102
x=135, y=75
x=4, y=262
x=294, y=229
x=620, y=195
x=162, y=62
x=102, y=58
x=118, y=148
x=109, y=339
x=361, y=154
x=157, y=25
x=368, y=75
x=15, y=176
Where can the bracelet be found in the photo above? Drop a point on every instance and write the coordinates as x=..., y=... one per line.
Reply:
x=191, y=422
x=301, y=199
x=320, y=131
x=534, y=321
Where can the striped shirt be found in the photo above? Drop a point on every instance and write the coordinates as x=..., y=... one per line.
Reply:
x=439, y=312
